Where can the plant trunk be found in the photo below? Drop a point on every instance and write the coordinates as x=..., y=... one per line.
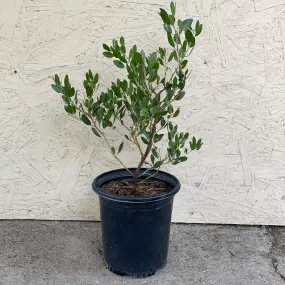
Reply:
x=144, y=157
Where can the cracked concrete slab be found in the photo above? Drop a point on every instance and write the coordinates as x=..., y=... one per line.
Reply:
x=58, y=253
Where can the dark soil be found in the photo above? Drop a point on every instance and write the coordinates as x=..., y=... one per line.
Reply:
x=143, y=189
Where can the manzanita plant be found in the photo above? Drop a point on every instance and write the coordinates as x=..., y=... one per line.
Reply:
x=142, y=102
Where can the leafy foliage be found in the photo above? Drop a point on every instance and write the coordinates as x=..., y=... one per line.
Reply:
x=144, y=102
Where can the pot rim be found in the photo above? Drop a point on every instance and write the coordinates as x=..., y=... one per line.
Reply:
x=123, y=174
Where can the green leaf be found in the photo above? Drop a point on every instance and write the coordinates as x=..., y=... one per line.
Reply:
x=119, y=64
x=154, y=152
x=124, y=85
x=123, y=49
x=67, y=108
x=90, y=74
x=107, y=54
x=157, y=137
x=180, y=26
x=157, y=116
x=72, y=92
x=199, y=144
x=85, y=120
x=182, y=158
x=177, y=38
x=184, y=63
x=116, y=52
x=70, y=109
x=145, y=141
x=66, y=80
x=193, y=143
x=67, y=91
x=173, y=8
x=121, y=58
x=176, y=113
x=116, y=90
x=161, y=51
x=170, y=40
x=198, y=28
x=89, y=91
x=109, y=123
x=192, y=44
x=167, y=28
x=152, y=75
x=153, y=58
x=170, y=109
x=106, y=47
x=56, y=88
x=186, y=24
x=65, y=99
x=152, y=159
x=57, y=80
x=140, y=71
x=156, y=65
x=122, y=41
x=174, y=82
x=180, y=96
x=96, y=78
x=115, y=44
x=163, y=122
x=169, y=94
x=164, y=16
x=189, y=36
x=172, y=19
x=180, y=75
x=137, y=57
x=181, y=53
x=120, y=147
x=157, y=164
x=184, y=46
x=113, y=150
x=96, y=132
x=181, y=85
x=173, y=55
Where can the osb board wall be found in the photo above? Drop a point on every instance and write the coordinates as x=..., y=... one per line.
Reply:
x=235, y=101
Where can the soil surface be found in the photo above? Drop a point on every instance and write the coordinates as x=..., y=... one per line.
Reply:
x=143, y=189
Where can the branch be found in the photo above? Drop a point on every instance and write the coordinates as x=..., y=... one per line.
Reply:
x=104, y=137
x=145, y=155
x=136, y=142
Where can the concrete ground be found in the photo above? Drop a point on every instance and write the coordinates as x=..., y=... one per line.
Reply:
x=59, y=253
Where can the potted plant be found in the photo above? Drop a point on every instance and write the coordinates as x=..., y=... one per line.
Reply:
x=136, y=203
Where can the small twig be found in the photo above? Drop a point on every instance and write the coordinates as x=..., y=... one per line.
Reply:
x=136, y=142
x=105, y=138
x=148, y=176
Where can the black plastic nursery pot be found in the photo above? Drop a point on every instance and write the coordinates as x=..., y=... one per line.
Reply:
x=135, y=230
